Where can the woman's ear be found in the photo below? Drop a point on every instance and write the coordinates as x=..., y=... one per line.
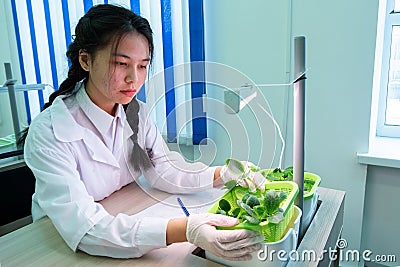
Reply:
x=84, y=59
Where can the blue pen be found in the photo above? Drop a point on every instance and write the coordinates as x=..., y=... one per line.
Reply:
x=183, y=206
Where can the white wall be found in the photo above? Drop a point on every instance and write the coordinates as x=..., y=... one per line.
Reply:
x=340, y=54
x=341, y=45
x=252, y=39
x=381, y=215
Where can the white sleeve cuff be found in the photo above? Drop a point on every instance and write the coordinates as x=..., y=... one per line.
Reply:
x=206, y=180
x=125, y=236
x=151, y=233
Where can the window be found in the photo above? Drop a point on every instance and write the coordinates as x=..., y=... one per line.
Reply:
x=388, y=123
x=44, y=29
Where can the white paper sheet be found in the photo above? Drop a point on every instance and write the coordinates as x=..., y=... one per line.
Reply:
x=195, y=203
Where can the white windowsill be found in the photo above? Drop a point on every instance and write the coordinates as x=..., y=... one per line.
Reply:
x=383, y=151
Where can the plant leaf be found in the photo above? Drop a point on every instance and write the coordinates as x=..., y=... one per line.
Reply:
x=252, y=219
x=224, y=205
x=252, y=201
x=229, y=185
x=235, y=166
x=259, y=210
x=247, y=209
x=254, y=168
x=245, y=197
x=235, y=212
x=273, y=178
x=276, y=218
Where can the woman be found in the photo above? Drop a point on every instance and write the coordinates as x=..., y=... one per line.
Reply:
x=83, y=147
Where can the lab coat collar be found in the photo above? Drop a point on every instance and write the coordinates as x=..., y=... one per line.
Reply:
x=65, y=127
x=101, y=119
x=127, y=131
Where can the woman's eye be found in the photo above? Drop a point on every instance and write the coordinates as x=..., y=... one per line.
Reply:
x=143, y=66
x=120, y=63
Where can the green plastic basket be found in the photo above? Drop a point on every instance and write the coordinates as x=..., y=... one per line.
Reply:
x=311, y=182
x=272, y=232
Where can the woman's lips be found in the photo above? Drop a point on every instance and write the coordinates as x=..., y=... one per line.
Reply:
x=129, y=93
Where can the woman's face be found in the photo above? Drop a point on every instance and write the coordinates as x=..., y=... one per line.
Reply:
x=115, y=77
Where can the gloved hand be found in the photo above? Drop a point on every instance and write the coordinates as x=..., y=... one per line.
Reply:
x=229, y=244
x=254, y=181
x=235, y=170
x=244, y=173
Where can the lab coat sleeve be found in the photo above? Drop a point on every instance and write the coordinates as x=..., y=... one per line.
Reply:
x=63, y=197
x=58, y=190
x=170, y=171
x=147, y=233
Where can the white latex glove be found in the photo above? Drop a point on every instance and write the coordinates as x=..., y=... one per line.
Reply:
x=234, y=174
x=229, y=244
x=248, y=179
x=253, y=181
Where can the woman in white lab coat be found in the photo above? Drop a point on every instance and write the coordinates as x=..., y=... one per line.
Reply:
x=88, y=143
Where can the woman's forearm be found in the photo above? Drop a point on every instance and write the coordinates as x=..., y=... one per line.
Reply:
x=176, y=230
x=217, y=179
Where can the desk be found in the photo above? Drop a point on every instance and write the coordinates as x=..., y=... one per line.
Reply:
x=324, y=231
x=39, y=244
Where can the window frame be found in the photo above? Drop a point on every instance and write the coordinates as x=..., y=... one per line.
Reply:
x=392, y=18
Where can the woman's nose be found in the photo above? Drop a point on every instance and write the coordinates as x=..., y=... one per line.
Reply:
x=131, y=75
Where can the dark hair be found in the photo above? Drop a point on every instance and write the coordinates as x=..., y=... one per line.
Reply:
x=101, y=25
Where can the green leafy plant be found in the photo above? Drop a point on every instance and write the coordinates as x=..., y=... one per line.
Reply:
x=308, y=184
x=278, y=174
x=234, y=166
x=255, y=207
x=237, y=168
x=250, y=203
x=224, y=208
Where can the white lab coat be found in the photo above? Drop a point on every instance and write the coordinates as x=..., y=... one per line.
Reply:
x=74, y=169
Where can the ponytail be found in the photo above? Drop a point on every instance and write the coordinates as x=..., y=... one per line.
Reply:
x=139, y=157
